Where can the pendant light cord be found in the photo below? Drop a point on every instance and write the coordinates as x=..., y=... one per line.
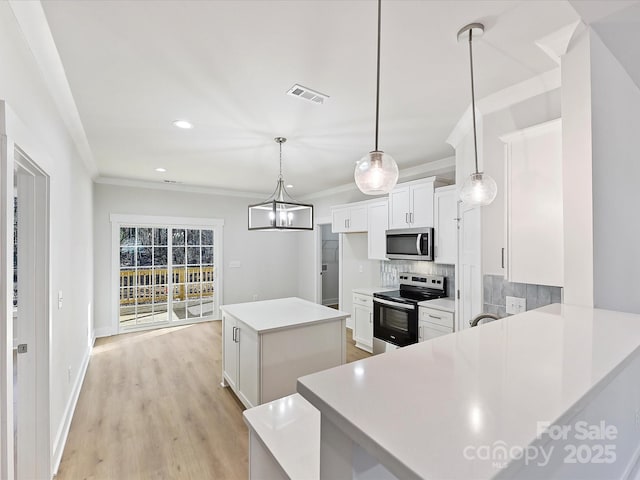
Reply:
x=378, y=74
x=280, y=176
x=473, y=100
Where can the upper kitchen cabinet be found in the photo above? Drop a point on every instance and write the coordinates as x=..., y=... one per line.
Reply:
x=349, y=218
x=534, y=221
x=378, y=221
x=445, y=235
x=411, y=203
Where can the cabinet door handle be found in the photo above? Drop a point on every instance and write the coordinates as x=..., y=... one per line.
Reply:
x=434, y=316
x=420, y=335
x=233, y=334
x=502, y=257
x=406, y=218
x=411, y=217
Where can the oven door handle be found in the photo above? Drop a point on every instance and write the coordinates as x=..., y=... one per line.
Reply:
x=404, y=306
x=419, y=244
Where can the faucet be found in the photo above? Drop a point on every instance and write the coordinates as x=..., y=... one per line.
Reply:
x=474, y=322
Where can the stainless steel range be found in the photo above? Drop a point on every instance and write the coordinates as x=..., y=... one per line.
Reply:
x=395, y=313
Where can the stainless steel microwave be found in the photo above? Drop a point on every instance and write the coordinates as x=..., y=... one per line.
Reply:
x=410, y=244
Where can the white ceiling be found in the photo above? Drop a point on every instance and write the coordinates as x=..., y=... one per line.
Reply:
x=135, y=66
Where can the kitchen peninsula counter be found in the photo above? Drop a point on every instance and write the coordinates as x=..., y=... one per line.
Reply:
x=267, y=345
x=450, y=407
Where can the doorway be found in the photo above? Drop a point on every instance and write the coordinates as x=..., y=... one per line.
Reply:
x=30, y=418
x=330, y=265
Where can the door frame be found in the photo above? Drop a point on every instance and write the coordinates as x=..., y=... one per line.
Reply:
x=317, y=264
x=17, y=140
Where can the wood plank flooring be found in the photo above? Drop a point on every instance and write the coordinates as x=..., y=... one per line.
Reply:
x=152, y=407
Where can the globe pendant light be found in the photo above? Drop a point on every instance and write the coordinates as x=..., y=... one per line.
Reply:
x=280, y=211
x=479, y=189
x=377, y=172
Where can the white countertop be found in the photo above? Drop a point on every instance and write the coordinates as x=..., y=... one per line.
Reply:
x=420, y=406
x=371, y=290
x=446, y=304
x=268, y=315
x=290, y=428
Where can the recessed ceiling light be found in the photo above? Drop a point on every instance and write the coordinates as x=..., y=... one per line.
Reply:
x=182, y=124
x=289, y=186
x=161, y=170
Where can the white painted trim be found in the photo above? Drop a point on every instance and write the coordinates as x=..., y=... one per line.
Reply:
x=160, y=220
x=177, y=187
x=35, y=29
x=532, y=131
x=317, y=264
x=504, y=98
x=557, y=43
x=63, y=431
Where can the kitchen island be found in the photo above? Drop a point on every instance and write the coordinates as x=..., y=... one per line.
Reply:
x=267, y=345
x=550, y=393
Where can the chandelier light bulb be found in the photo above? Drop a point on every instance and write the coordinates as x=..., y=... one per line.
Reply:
x=376, y=173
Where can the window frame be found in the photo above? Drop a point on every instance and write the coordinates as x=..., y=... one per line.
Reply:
x=123, y=220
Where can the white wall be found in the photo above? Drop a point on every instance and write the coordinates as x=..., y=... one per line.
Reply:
x=268, y=259
x=577, y=171
x=533, y=111
x=615, y=103
x=23, y=87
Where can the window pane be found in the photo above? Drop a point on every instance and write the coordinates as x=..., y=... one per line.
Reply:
x=144, y=276
x=207, y=237
x=179, y=292
x=127, y=297
x=160, y=276
x=207, y=290
x=127, y=277
x=160, y=294
x=159, y=255
x=159, y=236
x=144, y=296
x=193, y=237
x=127, y=257
x=178, y=256
x=193, y=309
x=178, y=236
x=144, y=236
x=127, y=236
x=193, y=274
x=144, y=256
x=127, y=316
x=160, y=313
x=179, y=310
x=207, y=274
x=179, y=275
x=207, y=255
x=193, y=255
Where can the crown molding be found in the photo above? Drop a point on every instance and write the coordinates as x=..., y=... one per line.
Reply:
x=177, y=187
x=444, y=165
x=35, y=29
x=505, y=98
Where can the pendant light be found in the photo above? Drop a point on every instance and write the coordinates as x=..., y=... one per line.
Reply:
x=280, y=211
x=377, y=172
x=479, y=189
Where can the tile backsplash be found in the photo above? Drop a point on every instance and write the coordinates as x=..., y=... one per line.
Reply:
x=389, y=272
x=496, y=289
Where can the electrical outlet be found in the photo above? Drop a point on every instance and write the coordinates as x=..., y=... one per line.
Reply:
x=361, y=268
x=516, y=305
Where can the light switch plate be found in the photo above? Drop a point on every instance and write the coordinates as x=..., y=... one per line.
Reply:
x=516, y=305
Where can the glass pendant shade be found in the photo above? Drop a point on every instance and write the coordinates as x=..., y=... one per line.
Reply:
x=376, y=173
x=479, y=189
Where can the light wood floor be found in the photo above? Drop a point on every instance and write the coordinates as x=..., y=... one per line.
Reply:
x=152, y=407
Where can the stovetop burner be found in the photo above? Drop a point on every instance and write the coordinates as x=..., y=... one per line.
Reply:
x=415, y=288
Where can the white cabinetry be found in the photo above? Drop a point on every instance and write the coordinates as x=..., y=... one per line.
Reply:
x=535, y=239
x=268, y=345
x=411, y=203
x=433, y=323
x=349, y=218
x=363, y=321
x=241, y=353
x=445, y=211
x=378, y=223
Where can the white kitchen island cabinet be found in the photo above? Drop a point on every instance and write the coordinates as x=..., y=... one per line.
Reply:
x=267, y=345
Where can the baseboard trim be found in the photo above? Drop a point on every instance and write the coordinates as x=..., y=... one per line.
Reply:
x=65, y=425
x=330, y=301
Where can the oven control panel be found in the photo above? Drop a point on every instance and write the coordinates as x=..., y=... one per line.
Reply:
x=422, y=280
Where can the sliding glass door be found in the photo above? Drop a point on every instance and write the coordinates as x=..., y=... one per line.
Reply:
x=166, y=274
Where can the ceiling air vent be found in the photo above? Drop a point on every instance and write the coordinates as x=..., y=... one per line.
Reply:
x=307, y=94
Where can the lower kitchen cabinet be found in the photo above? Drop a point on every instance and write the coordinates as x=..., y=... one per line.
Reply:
x=264, y=353
x=363, y=321
x=434, y=323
